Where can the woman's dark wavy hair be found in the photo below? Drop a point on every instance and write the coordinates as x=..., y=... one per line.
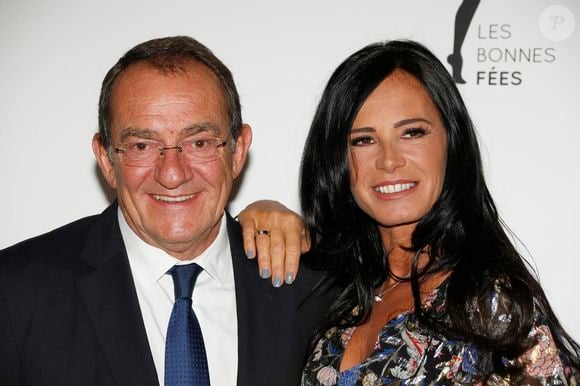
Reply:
x=462, y=233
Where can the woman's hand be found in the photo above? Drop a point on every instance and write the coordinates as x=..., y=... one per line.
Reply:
x=276, y=235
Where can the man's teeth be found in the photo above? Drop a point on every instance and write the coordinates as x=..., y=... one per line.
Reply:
x=394, y=188
x=172, y=199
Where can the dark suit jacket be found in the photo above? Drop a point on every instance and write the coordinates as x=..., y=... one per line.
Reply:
x=69, y=313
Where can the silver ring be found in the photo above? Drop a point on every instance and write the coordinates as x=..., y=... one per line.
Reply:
x=262, y=232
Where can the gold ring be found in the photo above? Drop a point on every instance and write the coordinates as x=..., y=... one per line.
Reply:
x=262, y=232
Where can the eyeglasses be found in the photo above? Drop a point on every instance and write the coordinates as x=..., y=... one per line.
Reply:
x=144, y=152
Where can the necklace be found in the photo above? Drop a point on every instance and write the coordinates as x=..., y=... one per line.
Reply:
x=379, y=296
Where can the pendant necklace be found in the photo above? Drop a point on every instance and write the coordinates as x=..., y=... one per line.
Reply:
x=379, y=296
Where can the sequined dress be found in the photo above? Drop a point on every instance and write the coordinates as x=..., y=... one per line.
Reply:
x=407, y=354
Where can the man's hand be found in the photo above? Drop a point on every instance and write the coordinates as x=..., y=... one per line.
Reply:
x=276, y=235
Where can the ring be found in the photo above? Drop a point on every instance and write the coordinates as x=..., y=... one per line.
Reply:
x=262, y=232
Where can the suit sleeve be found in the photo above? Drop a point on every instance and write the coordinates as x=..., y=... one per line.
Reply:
x=8, y=350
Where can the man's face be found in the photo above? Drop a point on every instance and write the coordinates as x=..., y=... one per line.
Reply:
x=173, y=204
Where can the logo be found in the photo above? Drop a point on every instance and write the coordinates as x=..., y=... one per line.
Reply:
x=557, y=23
x=463, y=19
x=505, y=51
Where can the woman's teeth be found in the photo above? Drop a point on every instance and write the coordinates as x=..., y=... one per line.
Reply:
x=385, y=189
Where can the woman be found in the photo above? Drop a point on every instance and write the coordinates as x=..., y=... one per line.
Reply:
x=431, y=289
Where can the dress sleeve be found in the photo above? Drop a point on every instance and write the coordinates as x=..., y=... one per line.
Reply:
x=543, y=363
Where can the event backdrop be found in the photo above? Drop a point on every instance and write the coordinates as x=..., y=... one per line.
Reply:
x=521, y=61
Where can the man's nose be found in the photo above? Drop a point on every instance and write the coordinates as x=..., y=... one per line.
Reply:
x=172, y=169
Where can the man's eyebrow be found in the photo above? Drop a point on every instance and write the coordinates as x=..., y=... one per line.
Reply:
x=404, y=122
x=201, y=128
x=152, y=134
x=139, y=133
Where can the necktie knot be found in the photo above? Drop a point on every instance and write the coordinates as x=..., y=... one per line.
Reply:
x=184, y=277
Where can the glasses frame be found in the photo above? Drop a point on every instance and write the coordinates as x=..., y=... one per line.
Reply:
x=179, y=148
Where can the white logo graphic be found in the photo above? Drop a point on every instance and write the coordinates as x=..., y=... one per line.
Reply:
x=557, y=23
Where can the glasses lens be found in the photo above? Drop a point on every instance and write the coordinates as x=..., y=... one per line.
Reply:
x=141, y=152
x=201, y=149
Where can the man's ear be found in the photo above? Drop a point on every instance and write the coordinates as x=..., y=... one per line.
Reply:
x=104, y=161
x=241, y=153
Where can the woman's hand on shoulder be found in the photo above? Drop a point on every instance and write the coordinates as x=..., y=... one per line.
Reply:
x=277, y=237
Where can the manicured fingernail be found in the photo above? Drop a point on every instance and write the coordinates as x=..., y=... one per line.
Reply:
x=249, y=254
x=277, y=282
x=289, y=278
x=265, y=273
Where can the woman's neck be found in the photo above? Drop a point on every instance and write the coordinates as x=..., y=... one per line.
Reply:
x=397, y=243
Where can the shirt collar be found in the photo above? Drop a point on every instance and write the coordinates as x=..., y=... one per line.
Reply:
x=150, y=263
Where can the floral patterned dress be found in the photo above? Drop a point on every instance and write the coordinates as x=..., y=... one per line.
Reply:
x=407, y=354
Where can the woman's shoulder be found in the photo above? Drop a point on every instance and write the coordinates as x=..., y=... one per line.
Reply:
x=489, y=307
x=497, y=308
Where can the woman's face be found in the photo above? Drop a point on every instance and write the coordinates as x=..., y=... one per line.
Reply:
x=397, y=152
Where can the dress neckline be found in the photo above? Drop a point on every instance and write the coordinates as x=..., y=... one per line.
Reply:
x=434, y=299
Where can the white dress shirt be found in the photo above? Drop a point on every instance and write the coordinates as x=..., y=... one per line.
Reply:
x=214, y=300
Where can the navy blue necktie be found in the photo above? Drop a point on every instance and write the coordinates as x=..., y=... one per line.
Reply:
x=185, y=360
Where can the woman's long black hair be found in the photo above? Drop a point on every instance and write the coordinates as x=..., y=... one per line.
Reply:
x=463, y=232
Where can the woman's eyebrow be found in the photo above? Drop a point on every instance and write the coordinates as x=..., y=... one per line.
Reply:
x=404, y=122
x=397, y=124
x=362, y=130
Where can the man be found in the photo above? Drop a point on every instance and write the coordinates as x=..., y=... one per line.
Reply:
x=90, y=303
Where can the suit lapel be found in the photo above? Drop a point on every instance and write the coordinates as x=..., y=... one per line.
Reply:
x=106, y=287
x=258, y=319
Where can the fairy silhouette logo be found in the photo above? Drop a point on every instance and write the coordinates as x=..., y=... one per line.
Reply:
x=463, y=19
